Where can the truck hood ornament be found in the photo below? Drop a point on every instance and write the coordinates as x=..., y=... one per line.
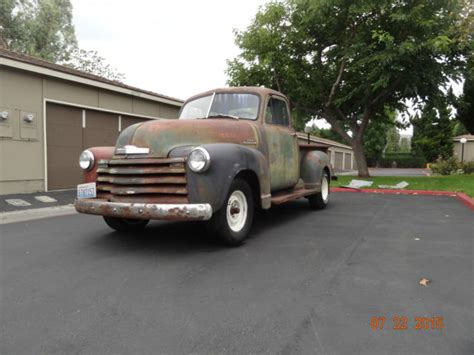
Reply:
x=131, y=149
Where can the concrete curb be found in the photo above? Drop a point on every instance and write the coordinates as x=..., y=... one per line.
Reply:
x=36, y=213
x=461, y=196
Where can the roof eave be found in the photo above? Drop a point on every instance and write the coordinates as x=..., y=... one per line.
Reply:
x=21, y=65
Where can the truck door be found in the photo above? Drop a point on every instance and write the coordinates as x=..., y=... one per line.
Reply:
x=282, y=145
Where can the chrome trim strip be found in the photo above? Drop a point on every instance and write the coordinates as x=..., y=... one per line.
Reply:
x=131, y=149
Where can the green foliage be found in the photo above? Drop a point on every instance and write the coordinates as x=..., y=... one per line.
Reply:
x=40, y=28
x=327, y=133
x=44, y=29
x=459, y=129
x=405, y=145
x=468, y=167
x=465, y=104
x=401, y=160
x=348, y=61
x=433, y=133
x=393, y=140
x=447, y=166
x=92, y=62
x=375, y=141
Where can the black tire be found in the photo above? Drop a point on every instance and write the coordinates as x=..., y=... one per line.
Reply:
x=125, y=224
x=224, y=225
x=321, y=199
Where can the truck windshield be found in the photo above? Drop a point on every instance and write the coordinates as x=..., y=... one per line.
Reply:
x=222, y=105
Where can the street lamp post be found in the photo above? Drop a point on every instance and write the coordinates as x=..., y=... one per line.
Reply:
x=463, y=141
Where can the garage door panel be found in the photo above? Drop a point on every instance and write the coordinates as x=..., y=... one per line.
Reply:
x=347, y=161
x=64, y=144
x=64, y=136
x=338, y=161
x=127, y=121
x=101, y=129
x=99, y=138
x=99, y=120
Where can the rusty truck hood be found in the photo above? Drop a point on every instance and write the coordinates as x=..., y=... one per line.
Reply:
x=164, y=135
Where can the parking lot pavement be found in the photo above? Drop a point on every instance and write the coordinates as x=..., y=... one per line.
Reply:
x=21, y=202
x=305, y=282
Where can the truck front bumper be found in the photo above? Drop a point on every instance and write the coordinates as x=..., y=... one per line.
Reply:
x=170, y=212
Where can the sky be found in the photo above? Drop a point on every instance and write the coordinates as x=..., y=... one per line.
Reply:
x=175, y=48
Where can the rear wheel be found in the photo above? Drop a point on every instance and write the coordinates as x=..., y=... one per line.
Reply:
x=231, y=224
x=125, y=224
x=321, y=199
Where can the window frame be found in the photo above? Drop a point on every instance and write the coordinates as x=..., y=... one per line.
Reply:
x=270, y=97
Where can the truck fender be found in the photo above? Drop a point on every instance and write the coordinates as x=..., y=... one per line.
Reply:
x=312, y=166
x=228, y=161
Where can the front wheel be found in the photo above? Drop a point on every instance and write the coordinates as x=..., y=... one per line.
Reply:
x=321, y=199
x=231, y=224
x=125, y=224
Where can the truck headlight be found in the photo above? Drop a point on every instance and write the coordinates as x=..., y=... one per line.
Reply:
x=199, y=160
x=86, y=160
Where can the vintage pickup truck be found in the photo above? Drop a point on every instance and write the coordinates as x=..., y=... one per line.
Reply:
x=231, y=151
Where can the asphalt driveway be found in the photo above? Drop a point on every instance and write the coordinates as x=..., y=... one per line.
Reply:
x=305, y=282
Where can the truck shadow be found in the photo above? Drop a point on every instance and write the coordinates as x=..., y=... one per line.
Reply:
x=184, y=237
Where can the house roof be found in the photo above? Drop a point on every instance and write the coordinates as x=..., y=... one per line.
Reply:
x=469, y=137
x=37, y=65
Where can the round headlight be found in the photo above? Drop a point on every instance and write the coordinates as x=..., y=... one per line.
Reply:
x=86, y=160
x=199, y=160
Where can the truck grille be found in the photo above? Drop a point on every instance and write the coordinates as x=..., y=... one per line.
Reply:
x=142, y=180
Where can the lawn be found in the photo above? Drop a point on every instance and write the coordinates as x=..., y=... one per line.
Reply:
x=455, y=183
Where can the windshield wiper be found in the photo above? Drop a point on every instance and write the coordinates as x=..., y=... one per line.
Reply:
x=222, y=115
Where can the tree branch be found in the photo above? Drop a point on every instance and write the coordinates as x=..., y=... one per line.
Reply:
x=363, y=126
x=336, y=83
x=386, y=92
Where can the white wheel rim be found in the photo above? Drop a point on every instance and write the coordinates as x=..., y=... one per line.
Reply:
x=325, y=188
x=237, y=210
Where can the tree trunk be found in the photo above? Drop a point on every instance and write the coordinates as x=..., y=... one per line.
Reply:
x=358, y=149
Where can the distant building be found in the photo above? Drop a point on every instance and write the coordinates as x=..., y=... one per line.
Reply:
x=468, y=147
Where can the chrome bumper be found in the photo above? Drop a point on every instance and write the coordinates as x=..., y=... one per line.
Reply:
x=171, y=212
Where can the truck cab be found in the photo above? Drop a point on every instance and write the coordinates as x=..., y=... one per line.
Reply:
x=232, y=150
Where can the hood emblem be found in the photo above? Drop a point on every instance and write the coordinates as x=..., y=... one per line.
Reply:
x=249, y=141
x=131, y=149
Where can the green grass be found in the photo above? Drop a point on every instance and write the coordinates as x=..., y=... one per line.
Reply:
x=454, y=183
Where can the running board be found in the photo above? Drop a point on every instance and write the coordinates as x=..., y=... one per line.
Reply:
x=289, y=195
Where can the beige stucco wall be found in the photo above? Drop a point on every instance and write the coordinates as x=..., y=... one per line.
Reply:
x=468, y=151
x=22, y=166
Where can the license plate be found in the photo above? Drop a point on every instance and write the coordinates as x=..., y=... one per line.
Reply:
x=86, y=190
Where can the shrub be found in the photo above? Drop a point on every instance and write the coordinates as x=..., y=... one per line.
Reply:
x=468, y=167
x=401, y=160
x=447, y=166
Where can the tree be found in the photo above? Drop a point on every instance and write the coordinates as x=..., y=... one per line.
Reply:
x=44, y=29
x=433, y=132
x=40, y=28
x=393, y=141
x=465, y=104
x=327, y=133
x=405, y=145
x=92, y=62
x=349, y=61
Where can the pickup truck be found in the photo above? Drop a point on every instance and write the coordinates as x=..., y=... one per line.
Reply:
x=232, y=150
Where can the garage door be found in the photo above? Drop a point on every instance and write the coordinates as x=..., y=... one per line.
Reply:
x=101, y=129
x=64, y=139
x=127, y=121
x=67, y=138
x=347, y=161
x=338, y=161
